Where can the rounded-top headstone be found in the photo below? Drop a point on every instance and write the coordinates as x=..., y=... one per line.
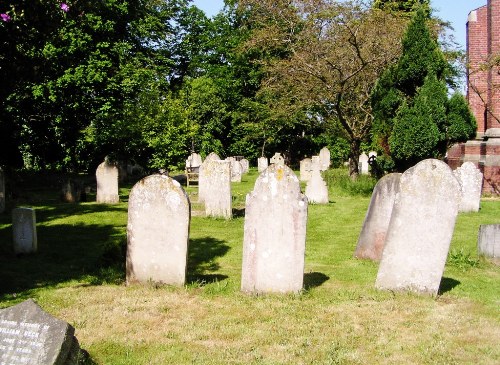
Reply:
x=471, y=182
x=262, y=163
x=274, y=233
x=421, y=228
x=107, y=183
x=324, y=156
x=157, y=231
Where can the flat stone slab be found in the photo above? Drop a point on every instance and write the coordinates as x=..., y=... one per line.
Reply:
x=30, y=336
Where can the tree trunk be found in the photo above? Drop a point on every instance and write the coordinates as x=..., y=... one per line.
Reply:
x=354, y=158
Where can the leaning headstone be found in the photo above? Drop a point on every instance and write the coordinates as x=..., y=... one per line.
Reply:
x=217, y=193
x=363, y=164
x=421, y=228
x=488, y=242
x=29, y=335
x=157, y=231
x=324, y=156
x=107, y=183
x=305, y=169
x=2, y=191
x=371, y=240
x=245, y=165
x=471, y=181
x=204, y=174
x=316, y=190
x=24, y=230
x=274, y=233
x=262, y=164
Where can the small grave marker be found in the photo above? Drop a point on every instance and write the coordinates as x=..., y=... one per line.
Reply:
x=24, y=229
x=488, y=242
x=107, y=183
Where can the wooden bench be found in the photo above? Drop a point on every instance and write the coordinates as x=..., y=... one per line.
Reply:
x=192, y=175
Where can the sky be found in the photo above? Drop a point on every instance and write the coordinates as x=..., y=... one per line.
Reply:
x=453, y=11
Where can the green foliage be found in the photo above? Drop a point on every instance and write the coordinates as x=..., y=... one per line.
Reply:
x=402, y=6
x=340, y=183
x=461, y=124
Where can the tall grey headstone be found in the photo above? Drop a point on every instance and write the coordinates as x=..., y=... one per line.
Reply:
x=274, y=233
x=305, y=169
x=488, y=242
x=471, y=181
x=24, y=230
x=29, y=335
x=157, y=231
x=316, y=189
x=204, y=175
x=262, y=164
x=2, y=191
x=107, y=183
x=421, y=228
x=363, y=164
x=218, y=189
x=324, y=156
x=371, y=240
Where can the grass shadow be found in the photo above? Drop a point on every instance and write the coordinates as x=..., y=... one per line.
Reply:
x=202, y=255
x=314, y=279
x=447, y=284
x=238, y=213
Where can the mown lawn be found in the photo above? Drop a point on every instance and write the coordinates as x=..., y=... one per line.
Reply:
x=78, y=275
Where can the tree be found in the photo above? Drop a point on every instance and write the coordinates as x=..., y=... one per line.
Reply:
x=414, y=119
x=323, y=59
x=402, y=6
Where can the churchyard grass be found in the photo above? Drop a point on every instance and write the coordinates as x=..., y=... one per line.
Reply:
x=339, y=318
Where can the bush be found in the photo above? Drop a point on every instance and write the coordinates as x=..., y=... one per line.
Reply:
x=340, y=183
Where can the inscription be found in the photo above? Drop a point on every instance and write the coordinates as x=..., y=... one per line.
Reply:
x=21, y=342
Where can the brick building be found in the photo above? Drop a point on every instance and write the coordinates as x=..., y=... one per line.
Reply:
x=483, y=95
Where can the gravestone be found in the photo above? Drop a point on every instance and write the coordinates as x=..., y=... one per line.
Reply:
x=24, y=230
x=2, y=191
x=315, y=163
x=274, y=233
x=305, y=169
x=245, y=164
x=471, y=182
x=31, y=336
x=324, y=156
x=236, y=170
x=363, y=164
x=421, y=228
x=218, y=189
x=71, y=191
x=488, y=242
x=194, y=160
x=107, y=183
x=202, y=179
x=277, y=159
x=157, y=231
x=316, y=190
x=371, y=240
x=262, y=164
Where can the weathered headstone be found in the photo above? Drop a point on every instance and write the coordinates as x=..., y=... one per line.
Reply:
x=245, y=164
x=204, y=174
x=157, y=231
x=218, y=189
x=305, y=169
x=107, y=183
x=363, y=164
x=488, y=242
x=24, y=230
x=421, y=228
x=277, y=159
x=471, y=181
x=31, y=336
x=274, y=233
x=2, y=191
x=262, y=163
x=316, y=189
x=236, y=170
x=194, y=160
x=71, y=191
x=324, y=156
x=315, y=163
x=371, y=240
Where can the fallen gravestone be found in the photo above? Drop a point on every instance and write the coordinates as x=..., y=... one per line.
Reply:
x=471, y=182
x=24, y=230
x=262, y=164
x=488, y=242
x=421, y=228
x=316, y=189
x=157, y=231
x=372, y=237
x=30, y=336
x=107, y=183
x=274, y=233
x=218, y=189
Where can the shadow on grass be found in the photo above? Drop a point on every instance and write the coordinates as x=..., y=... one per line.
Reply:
x=238, y=213
x=447, y=284
x=202, y=255
x=314, y=279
